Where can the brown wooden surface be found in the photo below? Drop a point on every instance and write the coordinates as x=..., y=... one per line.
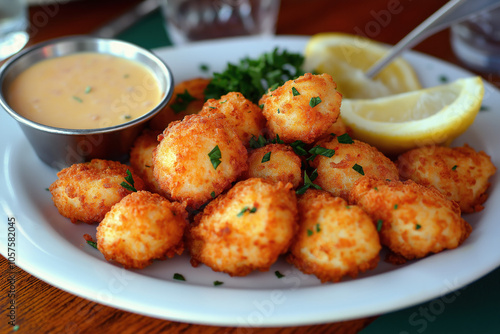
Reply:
x=42, y=308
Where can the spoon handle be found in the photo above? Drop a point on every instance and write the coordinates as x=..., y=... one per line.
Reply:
x=453, y=11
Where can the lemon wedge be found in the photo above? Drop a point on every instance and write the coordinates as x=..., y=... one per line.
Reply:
x=397, y=123
x=347, y=57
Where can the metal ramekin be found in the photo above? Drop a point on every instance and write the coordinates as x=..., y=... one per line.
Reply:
x=60, y=147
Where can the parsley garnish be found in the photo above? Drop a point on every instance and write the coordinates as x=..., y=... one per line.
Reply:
x=129, y=182
x=215, y=156
x=345, y=139
x=245, y=209
x=278, y=274
x=77, y=99
x=212, y=194
x=182, y=101
x=358, y=169
x=92, y=243
x=179, y=277
x=253, y=77
x=309, y=232
x=266, y=157
x=314, y=101
x=257, y=143
x=318, y=150
x=318, y=229
x=277, y=140
x=379, y=225
x=216, y=283
x=307, y=184
x=88, y=89
x=418, y=227
x=395, y=206
x=299, y=147
x=295, y=92
x=204, y=67
x=454, y=167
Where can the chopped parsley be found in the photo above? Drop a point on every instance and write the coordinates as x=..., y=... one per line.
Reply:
x=379, y=224
x=129, y=182
x=212, y=194
x=358, y=169
x=395, y=206
x=253, y=77
x=278, y=274
x=443, y=78
x=318, y=150
x=345, y=139
x=179, y=277
x=77, y=99
x=318, y=228
x=484, y=108
x=266, y=157
x=454, y=167
x=418, y=227
x=245, y=209
x=182, y=101
x=295, y=92
x=307, y=184
x=92, y=243
x=309, y=232
x=215, y=156
x=204, y=67
x=277, y=140
x=216, y=283
x=88, y=89
x=314, y=101
x=257, y=142
x=299, y=147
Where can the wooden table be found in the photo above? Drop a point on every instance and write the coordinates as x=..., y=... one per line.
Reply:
x=42, y=308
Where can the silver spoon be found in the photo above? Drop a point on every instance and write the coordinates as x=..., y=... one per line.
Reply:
x=452, y=12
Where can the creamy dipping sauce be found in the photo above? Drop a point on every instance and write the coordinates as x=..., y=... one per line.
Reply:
x=84, y=91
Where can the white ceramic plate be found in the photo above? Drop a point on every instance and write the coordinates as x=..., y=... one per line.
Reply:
x=51, y=248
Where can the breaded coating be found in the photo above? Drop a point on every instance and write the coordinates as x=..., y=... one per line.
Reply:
x=334, y=239
x=275, y=162
x=187, y=98
x=141, y=159
x=187, y=163
x=140, y=228
x=349, y=163
x=302, y=109
x=414, y=220
x=244, y=116
x=85, y=192
x=460, y=173
x=245, y=229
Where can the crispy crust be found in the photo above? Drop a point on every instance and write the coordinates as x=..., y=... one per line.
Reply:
x=183, y=167
x=284, y=165
x=86, y=192
x=466, y=183
x=142, y=227
x=415, y=220
x=292, y=117
x=336, y=174
x=245, y=117
x=334, y=240
x=228, y=238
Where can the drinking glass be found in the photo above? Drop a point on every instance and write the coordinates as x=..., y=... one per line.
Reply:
x=193, y=20
x=13, y=26
x=476, y=42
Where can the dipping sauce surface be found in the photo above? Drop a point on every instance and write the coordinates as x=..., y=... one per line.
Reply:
x=84, y=91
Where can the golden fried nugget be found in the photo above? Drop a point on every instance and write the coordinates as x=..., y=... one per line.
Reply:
x=245, y=229
x=141, y=159
x=187, y=98
x=198, y=158
x=460, y=173
x=244, y=116
x=414, y=220
x=302, y=109
x=86, y=191
x=140, y=228
x=334, y=239
x=275, y=162
x=349, y=163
